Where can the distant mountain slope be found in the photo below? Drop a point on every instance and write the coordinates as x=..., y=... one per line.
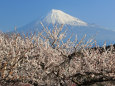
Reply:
x=59, y=17
x=74, y=25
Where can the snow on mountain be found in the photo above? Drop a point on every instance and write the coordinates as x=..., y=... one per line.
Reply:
x=74, y=25
x=53, y=17
x=59, y=17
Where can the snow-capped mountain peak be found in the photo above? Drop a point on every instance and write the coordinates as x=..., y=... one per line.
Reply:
x=59, y=17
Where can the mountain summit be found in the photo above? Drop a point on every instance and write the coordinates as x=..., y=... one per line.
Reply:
x=75, y=25
x=59, y=17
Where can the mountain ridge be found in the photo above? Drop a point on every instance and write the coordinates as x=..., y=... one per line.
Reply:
x=101, y=34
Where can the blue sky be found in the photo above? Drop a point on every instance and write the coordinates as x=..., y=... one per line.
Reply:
x=20, y=12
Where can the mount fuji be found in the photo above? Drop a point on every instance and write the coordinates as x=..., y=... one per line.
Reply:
x=59, y=17
x=74, y=25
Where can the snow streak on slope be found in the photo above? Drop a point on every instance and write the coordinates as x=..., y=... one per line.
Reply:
x=59, y=17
